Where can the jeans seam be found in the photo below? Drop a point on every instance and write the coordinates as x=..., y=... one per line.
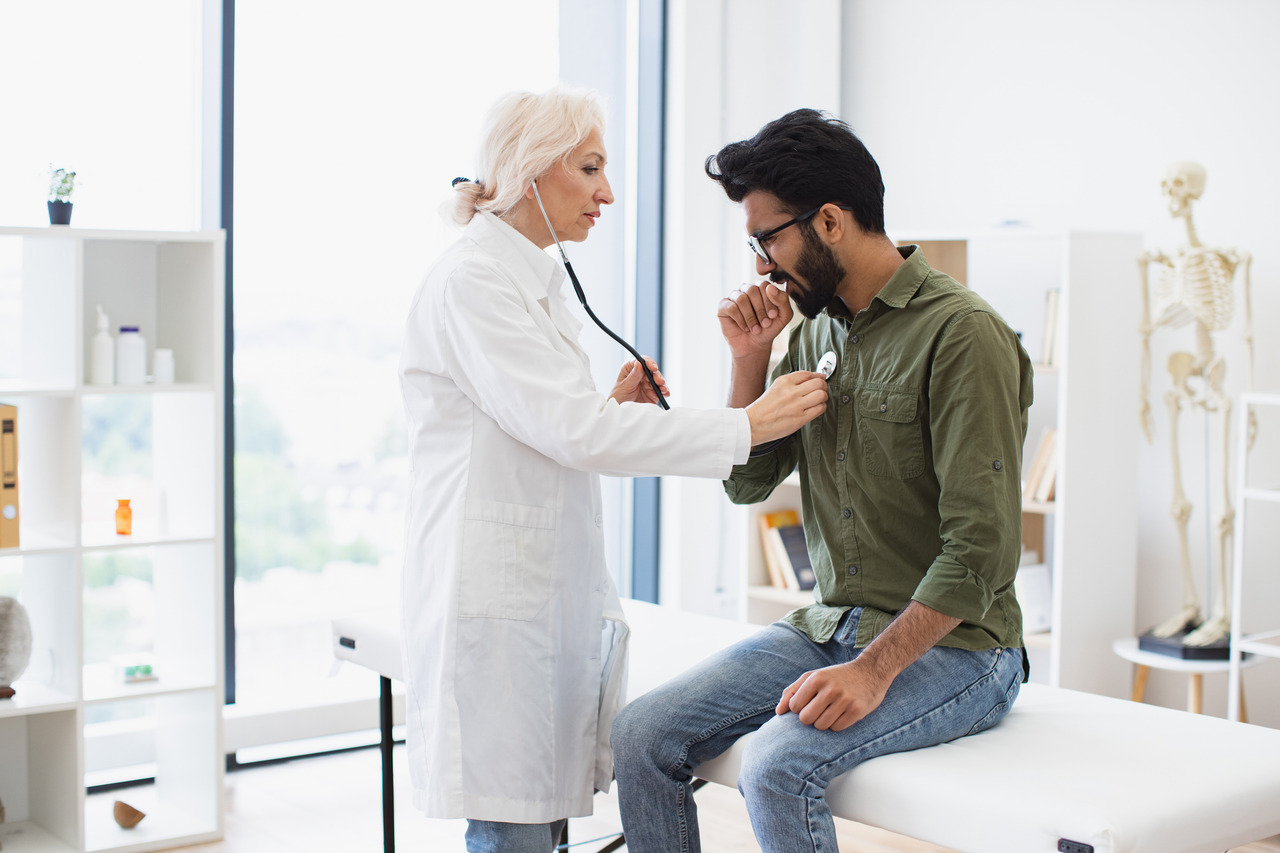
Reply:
x=683, y=757
x=910, y=724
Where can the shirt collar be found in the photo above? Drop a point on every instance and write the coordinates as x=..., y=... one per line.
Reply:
x=901, y=286
x=489, y=231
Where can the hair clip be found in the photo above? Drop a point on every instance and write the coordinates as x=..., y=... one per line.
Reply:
x=456, y=181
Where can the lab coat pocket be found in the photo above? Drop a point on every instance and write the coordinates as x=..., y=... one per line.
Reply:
x=508, y=552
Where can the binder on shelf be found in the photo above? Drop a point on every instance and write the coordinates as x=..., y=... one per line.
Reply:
x=769, y=522
x=8, y=476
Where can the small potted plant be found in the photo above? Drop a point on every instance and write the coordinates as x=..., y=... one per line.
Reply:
x=61, y=186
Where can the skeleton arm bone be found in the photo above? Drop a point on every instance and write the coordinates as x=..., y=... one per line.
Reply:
x=1246, y=260
x=1145, y=328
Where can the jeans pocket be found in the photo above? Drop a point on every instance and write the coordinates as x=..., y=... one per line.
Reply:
x=508, y=560
x=1004, y=688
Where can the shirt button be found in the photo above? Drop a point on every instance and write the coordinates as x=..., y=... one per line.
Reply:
x=848, y=513
x=854, y=339
x=840, y=456
x=599, y=521
x=884, y=407
x=844, y=398
x=997, y=465
x=853, y=570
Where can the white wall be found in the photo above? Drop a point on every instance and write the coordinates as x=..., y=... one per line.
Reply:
x=1066, y=115
x=1055, y=114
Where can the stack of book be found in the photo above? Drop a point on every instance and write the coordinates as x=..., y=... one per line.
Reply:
x=1044, y=469
x=785, y=553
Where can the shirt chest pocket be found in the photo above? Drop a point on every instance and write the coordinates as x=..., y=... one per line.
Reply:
x=890, y=433
x=508, y=561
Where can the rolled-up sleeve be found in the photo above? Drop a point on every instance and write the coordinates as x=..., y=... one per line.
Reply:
x=977, y=421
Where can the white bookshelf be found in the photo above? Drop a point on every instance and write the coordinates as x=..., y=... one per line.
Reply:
x=171, y=285
x=1088, y=534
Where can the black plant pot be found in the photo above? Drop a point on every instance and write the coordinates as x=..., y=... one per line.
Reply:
x=59, y=213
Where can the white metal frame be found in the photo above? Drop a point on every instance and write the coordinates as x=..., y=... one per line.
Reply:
x=1242, y=643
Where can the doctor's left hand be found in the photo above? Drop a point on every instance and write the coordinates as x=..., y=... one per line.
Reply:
x=633, y=386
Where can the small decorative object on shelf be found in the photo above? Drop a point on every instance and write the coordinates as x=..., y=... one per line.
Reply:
x=162, y=367
x=126, y=815
x=124, y=517
x=131, y=357
x=15, y=644
x=61, y=186
x=102, y=368
x=134, y=668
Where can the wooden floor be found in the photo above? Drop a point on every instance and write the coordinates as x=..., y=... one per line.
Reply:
x=334, y=803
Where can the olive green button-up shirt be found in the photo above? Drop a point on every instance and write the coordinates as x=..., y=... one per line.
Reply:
x=910, y=480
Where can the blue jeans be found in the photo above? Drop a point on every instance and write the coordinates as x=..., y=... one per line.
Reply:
x=661, y=736
x=491, y=836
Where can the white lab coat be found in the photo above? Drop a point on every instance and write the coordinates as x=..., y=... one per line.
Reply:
x=514, y=640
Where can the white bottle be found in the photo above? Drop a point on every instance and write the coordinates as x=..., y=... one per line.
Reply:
x=102, y=368
x=131, y=357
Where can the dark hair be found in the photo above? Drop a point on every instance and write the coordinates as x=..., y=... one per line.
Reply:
x=806, y=159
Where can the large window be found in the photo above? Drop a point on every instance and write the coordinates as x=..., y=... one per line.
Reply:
x=348, y=128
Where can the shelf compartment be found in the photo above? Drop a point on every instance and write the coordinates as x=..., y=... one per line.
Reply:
x=151, y=602
x=164, y=288
x=175, y=736
x=161, y=456
x=48, y=470
x=29, y=837
x=40, y=760
x=48, y=587
x=42, y=271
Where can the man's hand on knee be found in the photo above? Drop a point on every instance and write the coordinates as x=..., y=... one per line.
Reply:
x=833, y=698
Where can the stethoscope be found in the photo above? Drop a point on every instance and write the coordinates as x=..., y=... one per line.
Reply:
x=577, y=288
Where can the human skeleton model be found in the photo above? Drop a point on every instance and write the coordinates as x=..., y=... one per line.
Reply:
x=1193, y=286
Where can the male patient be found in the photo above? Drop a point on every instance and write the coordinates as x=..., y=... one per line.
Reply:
x=911, y=500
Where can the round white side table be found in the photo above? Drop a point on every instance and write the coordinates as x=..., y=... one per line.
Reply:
x=1144, y=662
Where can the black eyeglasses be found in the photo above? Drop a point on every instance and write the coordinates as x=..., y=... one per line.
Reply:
x=756, y=241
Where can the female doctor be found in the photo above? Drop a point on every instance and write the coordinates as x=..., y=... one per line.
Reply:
x=514, y=638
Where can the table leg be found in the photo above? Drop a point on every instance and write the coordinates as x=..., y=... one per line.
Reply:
x=388, y=784
x=1244, y=716
x=1140, y=674
x=1195, y=693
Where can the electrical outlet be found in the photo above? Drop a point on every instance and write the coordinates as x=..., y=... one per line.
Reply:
x=1067, y=846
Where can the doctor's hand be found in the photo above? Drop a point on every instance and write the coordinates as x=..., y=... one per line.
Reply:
x=633, y=386
x=752, y=316
x=790, y=402
x=835, y=697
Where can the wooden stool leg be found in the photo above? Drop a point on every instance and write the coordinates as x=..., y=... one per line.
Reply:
x=1195, y=693
x=1140, y=674
x=1244, y=715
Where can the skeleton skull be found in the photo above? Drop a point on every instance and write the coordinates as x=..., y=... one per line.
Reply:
x=1183, y=183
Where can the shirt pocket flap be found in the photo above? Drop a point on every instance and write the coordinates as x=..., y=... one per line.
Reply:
x=897, y=407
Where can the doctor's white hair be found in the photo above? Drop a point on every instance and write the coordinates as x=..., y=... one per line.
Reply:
x=525, y=136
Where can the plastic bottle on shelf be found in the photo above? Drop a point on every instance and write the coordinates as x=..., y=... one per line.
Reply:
x=124, y=517
x=102, y=368
x=131, y=357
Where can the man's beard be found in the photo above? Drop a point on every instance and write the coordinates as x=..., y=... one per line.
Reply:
x=821, y=271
